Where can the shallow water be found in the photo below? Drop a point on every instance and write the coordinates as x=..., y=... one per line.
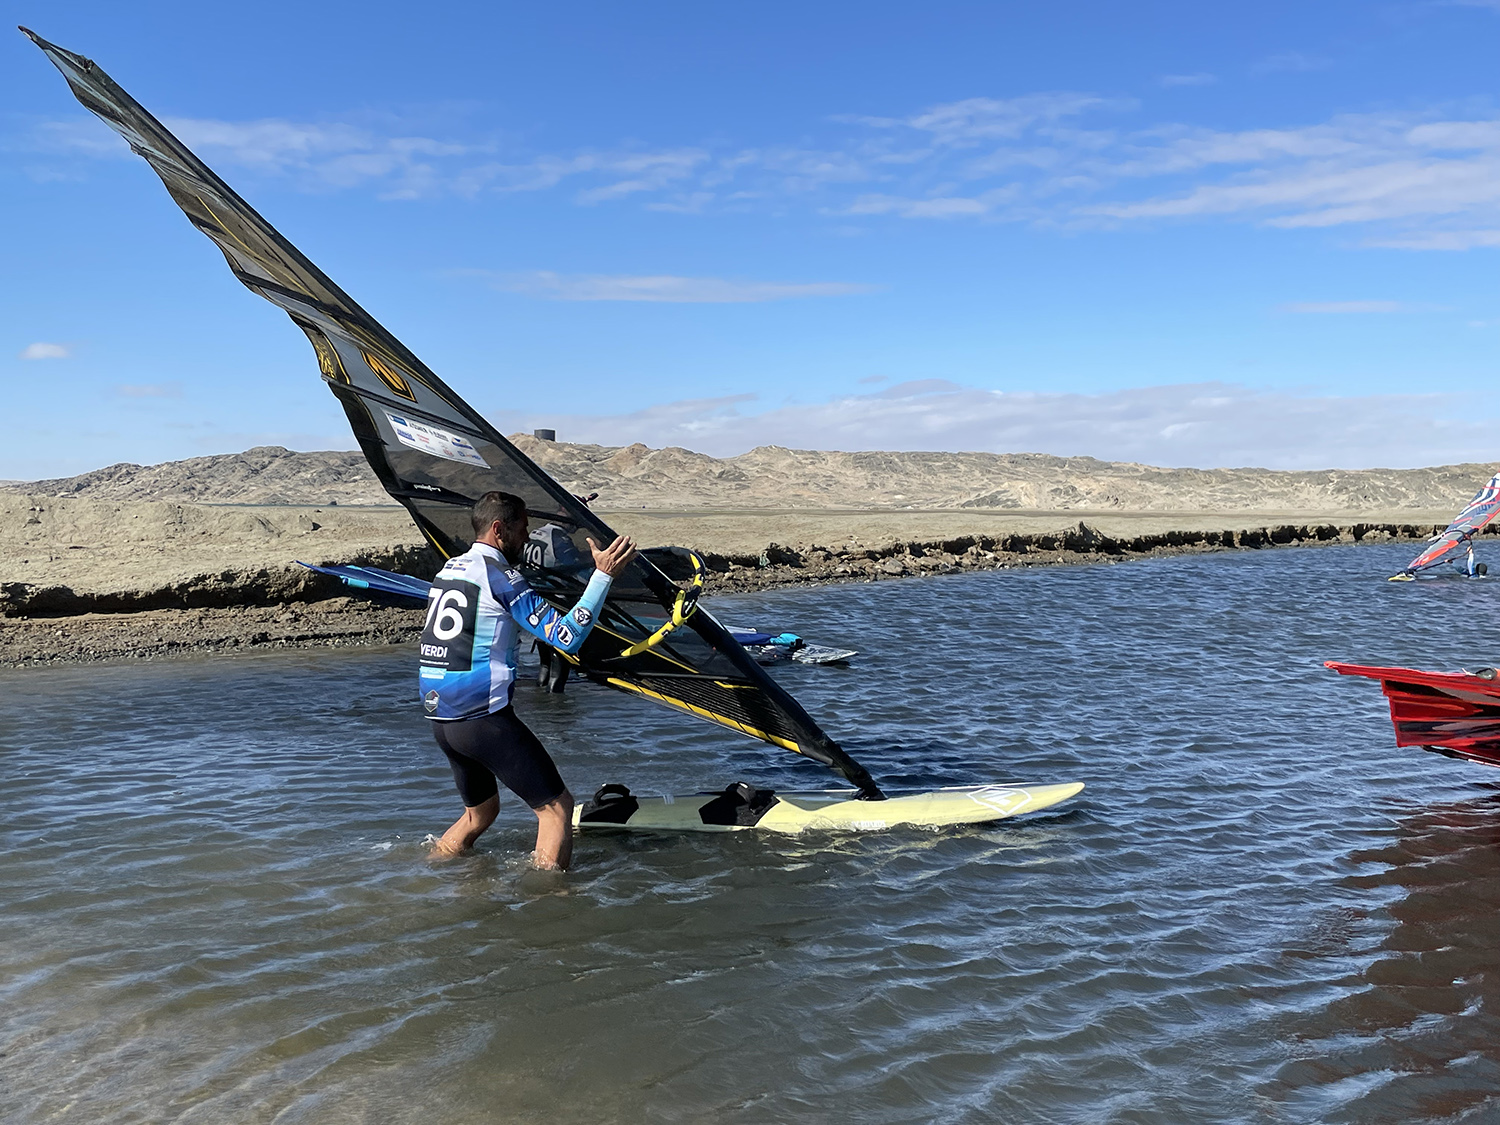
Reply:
x=215, y=904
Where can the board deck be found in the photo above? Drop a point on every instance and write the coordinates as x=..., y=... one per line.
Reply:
x=807, y=654
x=834, y=810
x=822, y=654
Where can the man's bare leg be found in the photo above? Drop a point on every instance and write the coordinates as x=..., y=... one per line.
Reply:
x=468, y=828
x=554, y=834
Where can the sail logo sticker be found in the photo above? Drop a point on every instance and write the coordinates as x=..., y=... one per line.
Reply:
x=430, y=439
x=328, y=357
x=390, y=376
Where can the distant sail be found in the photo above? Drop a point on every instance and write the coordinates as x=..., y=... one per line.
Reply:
x=436, y=455
x=373, y=578
x=1460, y=533
x=1452, y=713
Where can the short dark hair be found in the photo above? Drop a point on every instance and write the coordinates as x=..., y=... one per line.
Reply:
x=492, y=506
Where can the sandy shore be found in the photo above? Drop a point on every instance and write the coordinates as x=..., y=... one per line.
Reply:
x=84, y=580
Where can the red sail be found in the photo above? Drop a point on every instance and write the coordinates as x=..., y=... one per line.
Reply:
x=1453, y=713
x=1461, y=531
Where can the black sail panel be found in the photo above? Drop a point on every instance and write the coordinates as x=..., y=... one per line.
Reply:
x=435, y=454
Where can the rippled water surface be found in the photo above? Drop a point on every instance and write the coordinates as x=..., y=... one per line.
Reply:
x=215, y=904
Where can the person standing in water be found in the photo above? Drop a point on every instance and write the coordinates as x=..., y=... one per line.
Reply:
x=477, y=608
x=550, y=547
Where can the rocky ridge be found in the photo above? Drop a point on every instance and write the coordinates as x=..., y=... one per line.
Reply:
x=200, y=555
x=636, y=477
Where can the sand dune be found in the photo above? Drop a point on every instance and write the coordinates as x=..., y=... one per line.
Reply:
x=770, y=477
x=200, y=555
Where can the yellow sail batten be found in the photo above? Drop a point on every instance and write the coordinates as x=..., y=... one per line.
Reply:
x=704, y=713
x=598, y=628
x=684, y=607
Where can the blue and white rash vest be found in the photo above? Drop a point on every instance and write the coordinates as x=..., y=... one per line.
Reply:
x=475, y=613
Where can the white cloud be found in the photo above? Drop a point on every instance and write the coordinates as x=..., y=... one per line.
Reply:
x=1187, y=80
x=943, y=207
x=663, y=288
x=1415, y=183
x=975, y=120
x=324, y=156
x=624, y=173
x=316, y=156
x=1417, y=180
x=1205, y=425
x=46, y=351
x=81, y=136
x=1337, y=307
x=1436, y=240
x=1293, y=61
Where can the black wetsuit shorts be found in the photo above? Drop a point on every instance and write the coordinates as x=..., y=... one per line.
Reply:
x=498, y=745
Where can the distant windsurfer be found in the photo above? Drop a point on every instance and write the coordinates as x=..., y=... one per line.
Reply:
x=478, y=605
x=1442, y=549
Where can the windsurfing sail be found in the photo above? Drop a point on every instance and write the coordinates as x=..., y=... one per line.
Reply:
x=1459, y=535
x=436, y=455
x=373, y=578
x=1452, y=713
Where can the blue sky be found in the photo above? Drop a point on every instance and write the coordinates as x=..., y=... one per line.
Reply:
x=1187, y=234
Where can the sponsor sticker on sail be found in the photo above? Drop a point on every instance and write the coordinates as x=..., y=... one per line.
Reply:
x=430, y=439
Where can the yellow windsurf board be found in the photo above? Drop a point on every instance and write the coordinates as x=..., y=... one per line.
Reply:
x=741, y=808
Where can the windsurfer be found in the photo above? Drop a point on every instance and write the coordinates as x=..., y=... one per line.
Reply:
x=1443, y=548
x=550, y=547
x=478, y=602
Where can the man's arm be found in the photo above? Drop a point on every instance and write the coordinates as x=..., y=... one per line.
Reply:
x=562, y=631
x=567, y=631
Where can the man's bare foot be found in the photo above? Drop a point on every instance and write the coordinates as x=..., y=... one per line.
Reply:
x=442, y=849
x=465, y=830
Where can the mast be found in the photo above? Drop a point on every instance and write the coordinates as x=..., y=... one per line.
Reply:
x=435, y=454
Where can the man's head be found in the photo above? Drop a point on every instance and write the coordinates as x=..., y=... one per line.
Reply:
x=500, y=520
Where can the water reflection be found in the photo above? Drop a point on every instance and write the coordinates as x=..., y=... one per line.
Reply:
x=1420, y=1040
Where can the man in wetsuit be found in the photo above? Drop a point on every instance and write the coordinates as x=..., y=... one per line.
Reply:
x=478, y=605
x=550, y=547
